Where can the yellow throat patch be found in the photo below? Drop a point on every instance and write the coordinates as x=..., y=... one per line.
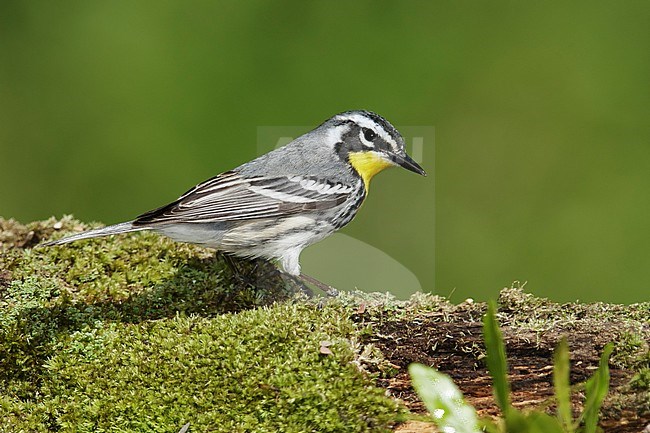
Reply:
x=368, y=164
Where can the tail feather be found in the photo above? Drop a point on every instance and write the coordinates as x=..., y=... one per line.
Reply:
x=104, y=231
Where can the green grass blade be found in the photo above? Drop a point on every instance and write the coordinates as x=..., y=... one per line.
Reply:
x=562, y=385
x=534, y=422
x=515, y=422
x=489, y=426
x=496, y=358
x=596, y=389
x=539, y=422
x=443, y=400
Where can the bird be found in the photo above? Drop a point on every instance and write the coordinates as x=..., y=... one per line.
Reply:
x=281, y=202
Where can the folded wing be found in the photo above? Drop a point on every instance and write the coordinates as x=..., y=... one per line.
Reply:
x=230, y=197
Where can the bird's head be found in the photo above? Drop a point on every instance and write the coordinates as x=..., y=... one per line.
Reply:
x=369, y=143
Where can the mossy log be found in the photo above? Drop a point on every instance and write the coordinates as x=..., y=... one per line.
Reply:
x=137, y=333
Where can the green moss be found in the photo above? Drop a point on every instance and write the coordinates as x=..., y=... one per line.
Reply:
x=137, y=333
x=641, y=380
x=258, y=369
x=625, y=325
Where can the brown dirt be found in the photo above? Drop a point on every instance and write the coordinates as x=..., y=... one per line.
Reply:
x=451, y=341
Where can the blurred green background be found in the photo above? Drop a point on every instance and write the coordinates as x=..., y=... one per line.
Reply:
x=539, y=172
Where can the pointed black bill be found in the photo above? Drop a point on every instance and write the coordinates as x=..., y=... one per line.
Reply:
x=408, y=163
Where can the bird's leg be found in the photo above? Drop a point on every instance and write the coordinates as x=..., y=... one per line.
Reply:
x=289, y=280
x=263, y=269
x=229, y=261
x=329, y=290
x=256, y=274
x=235, y=270
x=296, y=283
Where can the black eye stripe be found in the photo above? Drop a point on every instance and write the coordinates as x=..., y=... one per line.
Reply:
x=368, y=134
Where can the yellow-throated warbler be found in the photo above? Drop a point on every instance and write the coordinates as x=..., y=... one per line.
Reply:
x=276, y=205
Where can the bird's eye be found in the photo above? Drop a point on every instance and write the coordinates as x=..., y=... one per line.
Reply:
x=369, y=134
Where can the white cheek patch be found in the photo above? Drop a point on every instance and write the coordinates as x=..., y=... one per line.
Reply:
x=335, y=135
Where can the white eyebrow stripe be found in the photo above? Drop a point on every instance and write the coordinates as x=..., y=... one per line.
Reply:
x=365, y=122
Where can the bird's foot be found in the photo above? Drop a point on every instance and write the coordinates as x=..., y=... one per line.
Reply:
x=260, y=273
x=297, y=284
x=329, y=290
x=247, y=272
